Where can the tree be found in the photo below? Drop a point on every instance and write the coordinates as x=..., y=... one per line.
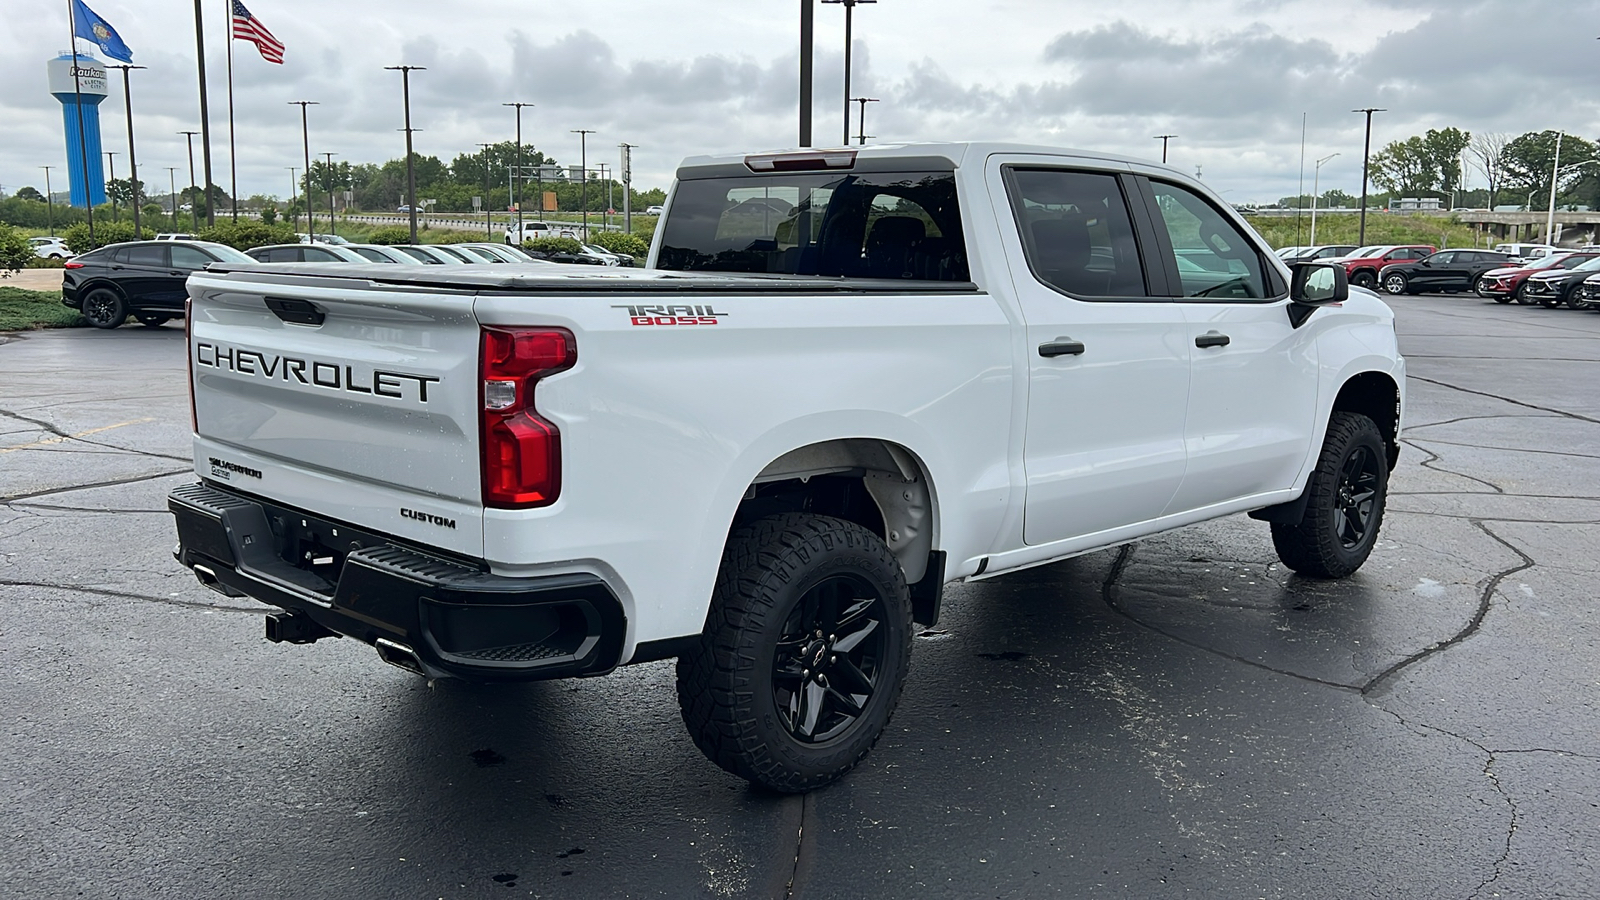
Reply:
x=1489, y=148
x=1444, y=147
x=122, y=191
x=14, y=251
x=1337, y=199
x=30, y=193
x=1530, y=159
x=1406, y=167
x=246, y=234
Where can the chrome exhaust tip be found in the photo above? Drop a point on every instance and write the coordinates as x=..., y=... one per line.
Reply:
x=399, y=655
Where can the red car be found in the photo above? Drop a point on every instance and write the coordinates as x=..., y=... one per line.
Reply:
x=1501, y=285
x=1363, y=265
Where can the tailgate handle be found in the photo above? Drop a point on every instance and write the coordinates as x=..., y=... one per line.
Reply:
x=296, y=311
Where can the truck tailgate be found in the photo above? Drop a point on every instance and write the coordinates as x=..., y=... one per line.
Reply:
x=354, y=399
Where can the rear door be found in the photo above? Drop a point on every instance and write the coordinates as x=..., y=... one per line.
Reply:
x=1108, y=362
x=336, y=397
x=143, y=275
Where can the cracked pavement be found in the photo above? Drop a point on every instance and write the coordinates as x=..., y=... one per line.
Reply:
x=1176, y=717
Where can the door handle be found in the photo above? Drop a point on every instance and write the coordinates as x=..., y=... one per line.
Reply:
x=1061, y=346
x=1212, y=339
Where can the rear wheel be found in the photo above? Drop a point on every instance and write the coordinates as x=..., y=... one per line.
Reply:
x=804, y=653
x=1365, y=278
x=1394, y=283
x=1345, y=510
x=104, y=308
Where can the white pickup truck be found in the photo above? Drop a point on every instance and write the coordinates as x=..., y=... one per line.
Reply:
x=845, y=379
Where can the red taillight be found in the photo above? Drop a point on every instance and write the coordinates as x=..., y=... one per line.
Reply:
x=521, y=451
x=72, y=265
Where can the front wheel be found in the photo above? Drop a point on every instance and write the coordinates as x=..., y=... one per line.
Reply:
x=804, y=652
x=1576, y=302
x=104, y=308
x=1364, y=278
x=1345, y=510
x=1523, y=297
x=1394, y=283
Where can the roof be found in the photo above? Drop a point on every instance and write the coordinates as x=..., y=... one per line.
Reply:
x=954, y=152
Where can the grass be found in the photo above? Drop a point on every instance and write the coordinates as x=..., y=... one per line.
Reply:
x=21, y=310
x=1382, y=228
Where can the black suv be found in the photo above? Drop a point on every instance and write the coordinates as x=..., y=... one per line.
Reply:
x=1448, y=271
x=144, y=279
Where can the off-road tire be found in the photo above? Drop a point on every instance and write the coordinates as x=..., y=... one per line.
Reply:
x=1316, y=547
x=104, y=308
x=728, y=684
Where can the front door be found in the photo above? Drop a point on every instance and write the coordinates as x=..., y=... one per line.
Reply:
x=1108, y=358
x=1253, y=375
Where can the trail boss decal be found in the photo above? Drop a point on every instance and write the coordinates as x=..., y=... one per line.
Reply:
x=311, y=372
x=672, y=315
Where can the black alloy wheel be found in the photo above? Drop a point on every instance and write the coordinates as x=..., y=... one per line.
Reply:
x=1357, y=496
x=1346, y=495
x=1364, y=278
x=829, y=658
x=1575, y=299
x=1394, y=283
x=104, y=308
x=1523, y=297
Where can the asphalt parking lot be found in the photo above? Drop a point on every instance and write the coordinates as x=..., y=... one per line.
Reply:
x=1177, y=717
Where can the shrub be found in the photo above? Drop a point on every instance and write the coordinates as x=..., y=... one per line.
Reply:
x=390, y=235
x=14, y=251
x=620, y=242
x=553, y=245
x=244, y=234
x=78, y=241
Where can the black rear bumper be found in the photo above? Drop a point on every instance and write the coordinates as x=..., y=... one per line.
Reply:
x=436, y=616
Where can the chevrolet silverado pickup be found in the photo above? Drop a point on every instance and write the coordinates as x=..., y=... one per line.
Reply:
x=844, y=379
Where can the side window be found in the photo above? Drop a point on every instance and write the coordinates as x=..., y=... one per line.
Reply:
x=1215, y=259
x=189, y=258
x=1445, y=259
x=316, y=254
x=119, y=255
x=283, y=254
x=1076, y=232
x=151, y=255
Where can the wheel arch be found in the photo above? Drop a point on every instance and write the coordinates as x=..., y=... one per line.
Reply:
x=1375, y=395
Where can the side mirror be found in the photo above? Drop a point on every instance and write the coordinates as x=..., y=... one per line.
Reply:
x=1314, y=285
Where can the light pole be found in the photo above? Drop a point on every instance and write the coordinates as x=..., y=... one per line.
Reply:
x=411, y=172
x=583, y=160
x=133, y=164
x=49, y=202
x=627, y=186
x=305, y=142
x=1163, y=138
x=205, y=115
x=516, y=183
x=194, y=208
x=294, y=196
x=862, y=118
x=488, y=225
x=1555, y=176
x=333, y=226
x=605, y=218
x=1366, y=164
x=111, y=166
x=172, y=194
x=807, y=28
x=1316, y=181
x=849, y=15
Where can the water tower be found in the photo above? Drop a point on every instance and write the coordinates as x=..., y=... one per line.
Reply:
x=82, y=121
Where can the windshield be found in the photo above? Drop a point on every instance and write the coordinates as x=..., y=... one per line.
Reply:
x=862, y=225
x=1364, y=252
x=1588, y=265
x=226, y=254
x=1555, y=260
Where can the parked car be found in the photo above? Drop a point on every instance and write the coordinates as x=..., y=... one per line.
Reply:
x=1554, y=287
x=143, y=279
x=1321, y=253
x=506, y=252
x=1448, y=271
x=321, y=239
x=531, y=231
x=382, y=253
x=1504, y=285
x=280, y=253
x=1363, y=264
x=606, y=257
x=50, y=248
x=1521, y=252
x=430, y=254
x=477, y=254
x=1587, y=294
x=655, y=210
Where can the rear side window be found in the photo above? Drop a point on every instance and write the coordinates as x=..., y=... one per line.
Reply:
x=1076, y=232
x=1215, y=259
x=283, y=254
x=317, y=254
x=863, y=225
x=152, y=255
x=372, y=254
x=189, y=258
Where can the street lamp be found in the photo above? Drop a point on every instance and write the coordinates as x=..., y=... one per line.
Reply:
x=305, y=141
x=133, y=164
x=194, y=208
x=627, y=186
x=1316, y=181
x=849, y=15
x=49, y=202
x=172, y=190
x=333, y=227
x=411, y=172
x=863, y=118
x=1366, y=162
x=488, y=225
x=807, y=20
x=111, y=165
x=1163, y=138
x=517, y=182
x=294, y=196
x=1555, y=178
x=583, y=157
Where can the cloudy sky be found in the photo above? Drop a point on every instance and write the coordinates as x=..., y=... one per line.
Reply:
x=1231, y=78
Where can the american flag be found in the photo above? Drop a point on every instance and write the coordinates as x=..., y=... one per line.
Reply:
x=248, y=28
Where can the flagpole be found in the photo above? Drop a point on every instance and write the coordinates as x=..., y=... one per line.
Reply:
x=83, y=147
x=205, y=115
x=233, y=152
